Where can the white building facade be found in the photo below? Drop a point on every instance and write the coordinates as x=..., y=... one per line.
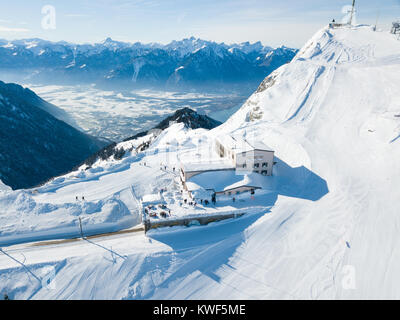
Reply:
x=246, y=156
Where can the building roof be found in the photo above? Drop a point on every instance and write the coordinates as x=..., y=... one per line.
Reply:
x=152, y=198
x=225, y=180
x=260, y=145
x=240, y=144
x=197, y=191
x=207, y=165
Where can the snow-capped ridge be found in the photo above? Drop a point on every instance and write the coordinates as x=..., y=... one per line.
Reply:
x=316, y=62
x=207, y=64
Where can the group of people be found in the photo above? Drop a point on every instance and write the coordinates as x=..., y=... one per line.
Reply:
x=190, y=203
x=202, y=201
x=163, y=167
x=77, y=198
x=163, y=214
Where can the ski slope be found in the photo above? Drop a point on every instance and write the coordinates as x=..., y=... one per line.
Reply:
x=338, y=105
x=327, y=227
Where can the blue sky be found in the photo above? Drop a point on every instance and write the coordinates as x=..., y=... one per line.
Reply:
x=288, y=22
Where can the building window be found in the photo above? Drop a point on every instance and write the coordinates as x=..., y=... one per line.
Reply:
x=265, y=164
x=256, y=165
x=221, y=151
x=264, y=172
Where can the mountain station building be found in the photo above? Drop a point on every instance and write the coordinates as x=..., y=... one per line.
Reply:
x=239, y=167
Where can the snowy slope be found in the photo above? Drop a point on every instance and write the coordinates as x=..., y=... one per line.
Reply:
x=333, y=117
x=335, y=110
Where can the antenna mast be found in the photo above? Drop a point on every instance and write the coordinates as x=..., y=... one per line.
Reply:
x=377, y=18
x=352, y=12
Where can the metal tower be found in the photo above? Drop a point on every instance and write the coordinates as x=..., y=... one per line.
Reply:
x=352, y=12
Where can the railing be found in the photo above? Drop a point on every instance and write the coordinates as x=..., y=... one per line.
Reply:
x=201, y=220
x=337, y=25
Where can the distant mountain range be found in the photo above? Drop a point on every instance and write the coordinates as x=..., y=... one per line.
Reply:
x=34, y=144
x=189, y=63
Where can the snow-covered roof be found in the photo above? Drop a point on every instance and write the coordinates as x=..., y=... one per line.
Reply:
x=259, y=145
x=197, y=191
x=240, y=144
x=225, y=180
x=207, y=165
x=151, y=198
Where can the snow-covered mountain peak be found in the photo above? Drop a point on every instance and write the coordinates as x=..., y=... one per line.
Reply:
x=189, y=45
x=248, y=47
x=114, y=45
x=297, y=90
x=107, y=40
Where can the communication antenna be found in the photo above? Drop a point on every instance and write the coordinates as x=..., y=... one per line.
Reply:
x=377, y=18
x=352, y=12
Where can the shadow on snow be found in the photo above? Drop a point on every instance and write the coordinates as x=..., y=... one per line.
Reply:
x=207, y=249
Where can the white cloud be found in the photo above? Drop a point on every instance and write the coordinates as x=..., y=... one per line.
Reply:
x=17, y=30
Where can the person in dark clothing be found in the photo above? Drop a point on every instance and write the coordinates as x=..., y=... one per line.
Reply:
x=214, y=198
